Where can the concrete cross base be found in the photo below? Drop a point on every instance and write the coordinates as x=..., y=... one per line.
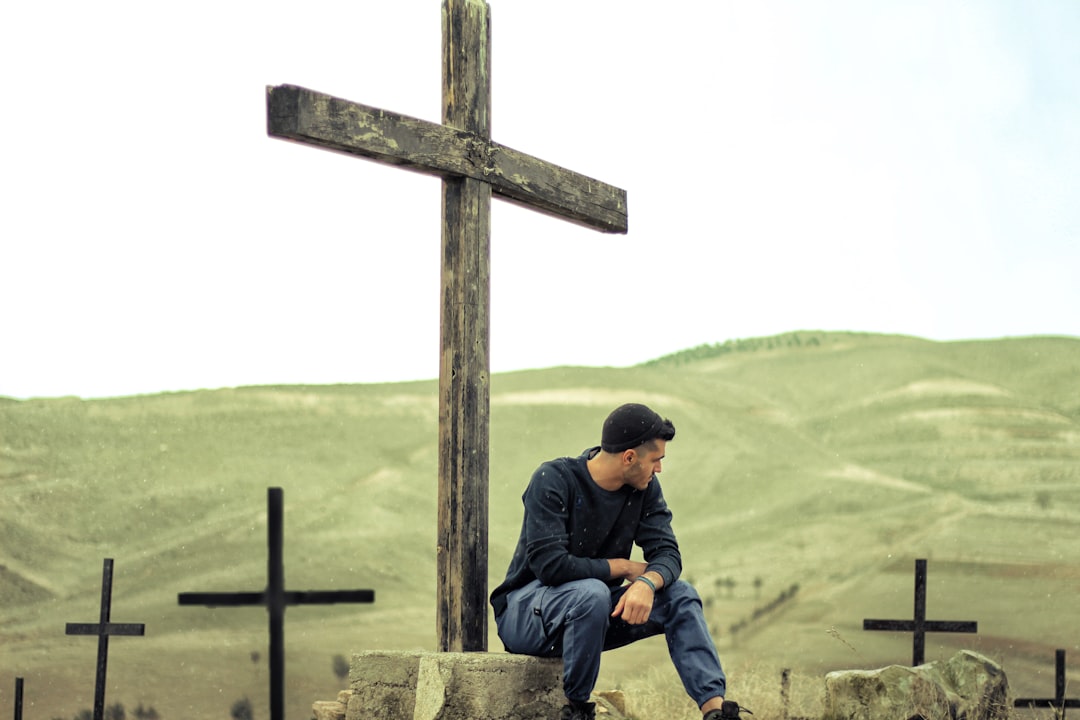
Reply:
x=453, y=686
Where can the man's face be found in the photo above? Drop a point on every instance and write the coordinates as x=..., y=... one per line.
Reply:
x=643, y=464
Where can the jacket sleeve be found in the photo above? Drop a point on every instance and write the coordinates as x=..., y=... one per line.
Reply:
x=547, y=531
x=656, y=538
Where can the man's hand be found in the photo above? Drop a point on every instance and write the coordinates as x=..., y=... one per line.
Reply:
x=635, y=605
x=626, y=569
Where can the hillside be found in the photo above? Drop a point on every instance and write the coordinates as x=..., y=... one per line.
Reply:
x=812, y=466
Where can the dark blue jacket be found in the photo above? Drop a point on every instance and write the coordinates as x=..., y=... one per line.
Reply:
x=572, y=526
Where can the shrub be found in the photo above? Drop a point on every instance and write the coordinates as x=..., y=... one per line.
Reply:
x=341, y=667
x=142, y=713
x=241, y=710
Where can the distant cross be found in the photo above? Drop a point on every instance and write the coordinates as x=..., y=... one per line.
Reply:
x=18, y=698
x=103, y=630
x=1059, y=700
x=275, y=598
x=920, y=625
x=472, y=167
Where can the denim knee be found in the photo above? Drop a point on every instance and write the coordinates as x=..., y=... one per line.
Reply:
x=680, y=590
x=592, y=598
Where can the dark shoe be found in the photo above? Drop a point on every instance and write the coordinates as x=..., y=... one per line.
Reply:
x=579, y=711
x=729, y=710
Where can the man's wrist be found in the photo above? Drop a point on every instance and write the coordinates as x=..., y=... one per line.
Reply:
x=647, y=581
x=657, y=580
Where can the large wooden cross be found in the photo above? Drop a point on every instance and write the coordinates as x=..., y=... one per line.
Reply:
x=472, y=167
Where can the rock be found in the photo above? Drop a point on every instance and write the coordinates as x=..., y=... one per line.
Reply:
x=615, y=699
x=980, y=685
x=610, y=705
x=331, y=709
x=968, y=686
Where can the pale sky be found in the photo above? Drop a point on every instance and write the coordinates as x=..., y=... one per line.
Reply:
x=894, y=167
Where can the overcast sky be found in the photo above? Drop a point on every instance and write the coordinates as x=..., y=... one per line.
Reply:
x=894, y=167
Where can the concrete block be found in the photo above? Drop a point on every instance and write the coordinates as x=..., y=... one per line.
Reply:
x=454, y=686
x=383, y=685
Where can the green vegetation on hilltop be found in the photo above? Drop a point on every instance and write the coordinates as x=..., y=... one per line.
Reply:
x=820, y=461
x=708, y=351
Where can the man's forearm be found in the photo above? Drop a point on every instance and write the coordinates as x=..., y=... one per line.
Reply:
x=631, y=570
x=625, y=569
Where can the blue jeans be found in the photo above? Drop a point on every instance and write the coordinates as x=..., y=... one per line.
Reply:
x=573, y=621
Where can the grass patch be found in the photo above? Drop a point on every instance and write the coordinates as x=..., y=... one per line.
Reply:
x=830, y=465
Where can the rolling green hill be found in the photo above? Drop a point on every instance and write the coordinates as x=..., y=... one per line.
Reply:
x=810, y=466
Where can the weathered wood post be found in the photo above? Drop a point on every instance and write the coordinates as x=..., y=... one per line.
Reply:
x=464, y=381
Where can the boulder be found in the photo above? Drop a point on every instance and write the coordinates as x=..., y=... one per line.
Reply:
x=968, y=686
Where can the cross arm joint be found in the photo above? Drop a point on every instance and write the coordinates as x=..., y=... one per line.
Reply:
x=314, y=118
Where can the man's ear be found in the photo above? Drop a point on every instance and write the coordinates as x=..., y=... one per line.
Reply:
x=629, y=456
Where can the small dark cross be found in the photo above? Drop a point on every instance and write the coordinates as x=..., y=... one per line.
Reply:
x=920, y=625
x=18, y=698
x=103, y=630
x=275, y=598
x=472, y=167
x=1059, y=700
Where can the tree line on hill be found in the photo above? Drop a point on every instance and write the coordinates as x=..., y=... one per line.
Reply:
x=708, y=351
x=117, y=711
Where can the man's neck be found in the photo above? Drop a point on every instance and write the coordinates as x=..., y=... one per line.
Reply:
x=604, y=470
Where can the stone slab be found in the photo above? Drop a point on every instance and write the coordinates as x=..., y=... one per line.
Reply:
x=453, y=686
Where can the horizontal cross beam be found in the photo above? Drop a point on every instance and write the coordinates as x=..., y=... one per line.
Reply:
x=941, y=626
x=314, y=118
x=292, y=597
x=105, y=629
x=1046, y=702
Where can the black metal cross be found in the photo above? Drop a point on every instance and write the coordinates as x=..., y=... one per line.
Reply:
x=1059, y=700
x=103, y=630
x=920, y=625
x=275, y=598
x=18, y=698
